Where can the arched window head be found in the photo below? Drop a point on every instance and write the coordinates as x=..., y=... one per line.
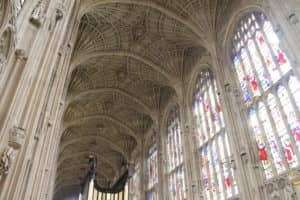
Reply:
x=174, y=150
x=218, y=177
x=271, y=92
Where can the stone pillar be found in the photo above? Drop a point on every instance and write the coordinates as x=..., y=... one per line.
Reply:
x=29, y=97
x=244, y=160
x=11, y=86
x=51, y=118
x=190, y=125
x=189, y=153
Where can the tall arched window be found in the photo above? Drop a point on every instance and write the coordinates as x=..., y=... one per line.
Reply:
x=271, y=92
x=152, y=173
x=218, y=179
x=175, y=168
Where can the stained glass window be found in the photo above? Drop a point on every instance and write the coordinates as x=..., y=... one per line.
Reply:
x=152, y=173
x=218, y=179
x=271, y=92
x=175, y=169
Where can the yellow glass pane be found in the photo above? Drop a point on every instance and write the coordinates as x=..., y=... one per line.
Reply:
x=126, y=192
x=91, y=189
x=95, y=194
x=121, y=196
x=100, y=196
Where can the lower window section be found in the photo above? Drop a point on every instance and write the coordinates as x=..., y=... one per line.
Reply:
x=152, y=195
x=177, y=186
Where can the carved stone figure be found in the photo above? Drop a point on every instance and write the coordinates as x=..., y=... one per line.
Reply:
x=5, y=161
x=38, y=13
x=2, y=55
x=2, y=63
x=56, y=17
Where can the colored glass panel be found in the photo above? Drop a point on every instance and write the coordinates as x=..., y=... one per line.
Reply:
x=176, y=182
x=217, y=174
x=152, y=170
x=273, y=116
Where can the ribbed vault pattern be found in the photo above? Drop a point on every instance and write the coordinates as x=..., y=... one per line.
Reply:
x=129, y=58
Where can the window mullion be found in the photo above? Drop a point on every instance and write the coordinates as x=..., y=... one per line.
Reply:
x=203, y=122
x=175, y=145
x=287, y=125
x=210, y=176
x=274, y=130
x=291, y=97
x=211, y=93
x=222, y=135
x=202, y=146
x=176, y=163
x=172, y=150
x=244, y=72
x=253, y=67
x=212, y=134
x=258, y=50
x=270, y=49
x=267, y=145
x=284, y=120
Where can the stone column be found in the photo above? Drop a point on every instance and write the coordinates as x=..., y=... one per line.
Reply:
x=191, y=171
x=244, y=160
x=190, y=125
x=10, y=88
x=51, y=117
x=32, y=95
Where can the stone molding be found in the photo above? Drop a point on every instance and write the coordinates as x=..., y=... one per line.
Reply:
x=16, y=137
x=279, y=188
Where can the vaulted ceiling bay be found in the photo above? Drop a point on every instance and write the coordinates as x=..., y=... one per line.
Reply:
x=130, y=59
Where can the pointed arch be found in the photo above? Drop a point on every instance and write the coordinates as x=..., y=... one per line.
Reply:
x=82, y=95
x=84, y=57
x=82, y=153
x=90, y=5
x=112, y=119
x=107, y=141
x=263, y=69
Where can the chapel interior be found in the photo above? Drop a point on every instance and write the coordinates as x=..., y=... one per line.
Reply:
x=149, y=99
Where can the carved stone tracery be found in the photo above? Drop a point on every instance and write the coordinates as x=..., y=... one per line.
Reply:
x=279, y=188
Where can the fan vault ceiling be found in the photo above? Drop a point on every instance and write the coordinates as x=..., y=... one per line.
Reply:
x=128, y=57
